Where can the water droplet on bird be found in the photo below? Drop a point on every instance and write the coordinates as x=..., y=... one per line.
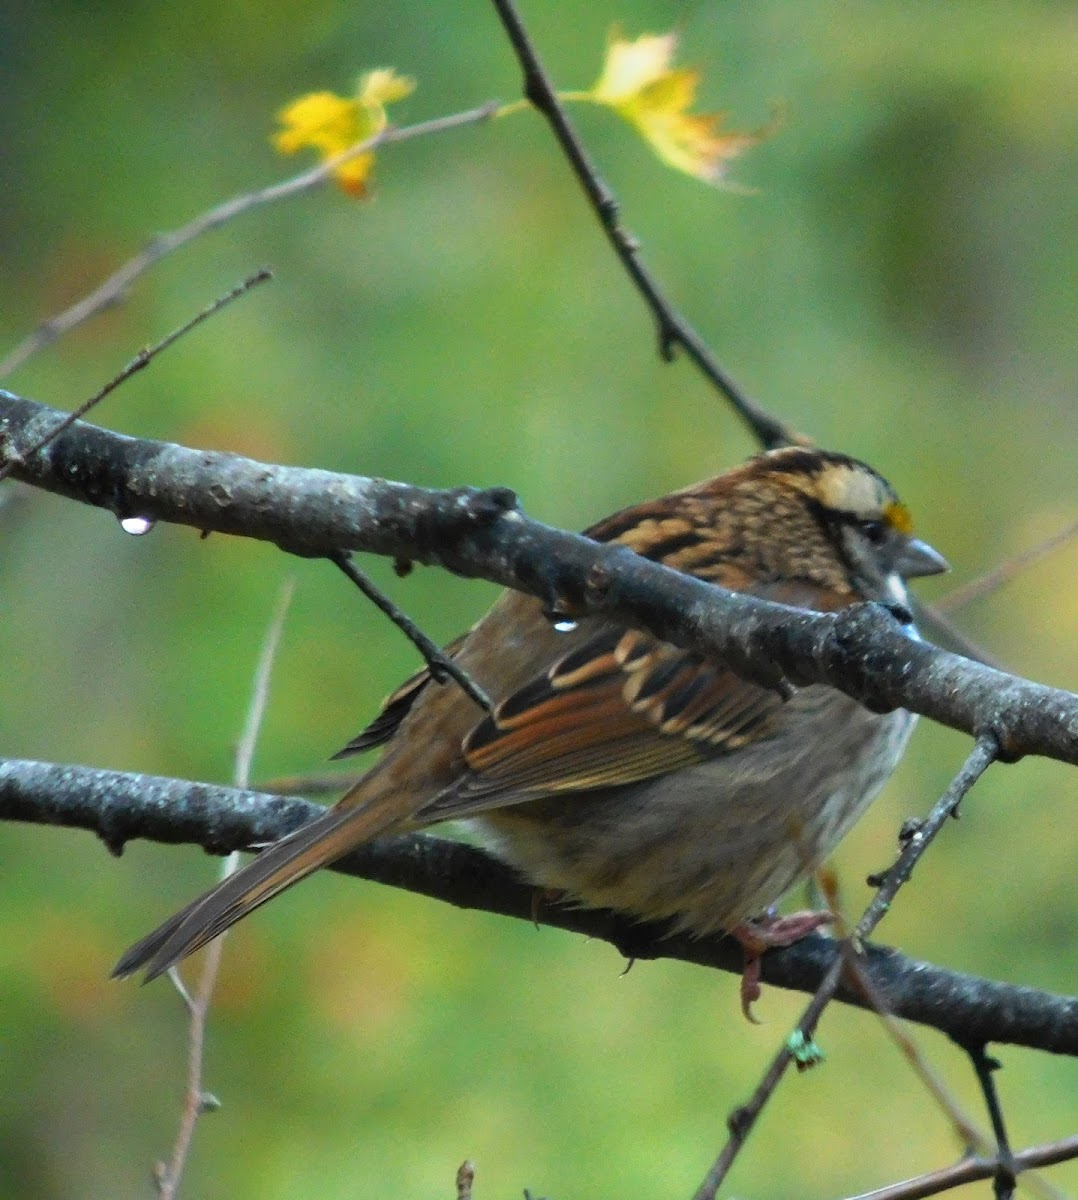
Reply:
x=137, y=526
x=564, y=626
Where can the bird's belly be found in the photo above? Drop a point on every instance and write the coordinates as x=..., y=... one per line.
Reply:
x=717, y=843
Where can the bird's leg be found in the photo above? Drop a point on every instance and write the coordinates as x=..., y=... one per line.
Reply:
x=768, y=933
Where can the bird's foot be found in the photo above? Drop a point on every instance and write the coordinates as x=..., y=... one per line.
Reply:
x=768, y=933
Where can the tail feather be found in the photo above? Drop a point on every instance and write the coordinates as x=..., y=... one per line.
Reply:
x=279, y=866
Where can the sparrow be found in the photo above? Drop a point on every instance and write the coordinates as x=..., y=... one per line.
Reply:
x=620, y=771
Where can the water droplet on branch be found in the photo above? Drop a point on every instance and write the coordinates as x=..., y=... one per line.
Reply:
x=137, y=526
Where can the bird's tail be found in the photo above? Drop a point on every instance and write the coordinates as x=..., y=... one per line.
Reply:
x=279, y=866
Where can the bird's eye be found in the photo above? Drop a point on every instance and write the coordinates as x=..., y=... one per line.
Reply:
x=875, y=531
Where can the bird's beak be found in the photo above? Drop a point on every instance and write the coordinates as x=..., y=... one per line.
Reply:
x=917, y=558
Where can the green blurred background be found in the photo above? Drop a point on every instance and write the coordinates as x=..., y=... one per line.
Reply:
x=899, y=283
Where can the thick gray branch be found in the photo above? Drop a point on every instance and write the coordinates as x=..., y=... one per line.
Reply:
x=118, y=807
x=863, y=650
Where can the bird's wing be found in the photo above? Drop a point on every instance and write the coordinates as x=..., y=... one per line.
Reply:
x=621, y=708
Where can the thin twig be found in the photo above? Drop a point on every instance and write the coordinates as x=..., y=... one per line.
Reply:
x=113, y=289
x=985, y=752
x=256, y=711
x=742, y=1120
x=1006, y=570
x=441, y=665
x=141, y=360
x=984, y=1066
x=198, y=1100
x=970, y=1137
x=970, y=1170
x=968, y=1134
x=857, y=976
x=673, y=329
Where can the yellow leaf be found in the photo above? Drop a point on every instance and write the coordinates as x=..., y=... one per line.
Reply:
x=332, y=124
x=638, y=82
x=384, y=86
x=631, y=66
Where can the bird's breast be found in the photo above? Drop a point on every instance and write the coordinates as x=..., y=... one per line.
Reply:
x=712, y=844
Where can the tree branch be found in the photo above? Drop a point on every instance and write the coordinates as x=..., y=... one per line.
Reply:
x=863, y=650
x=120, y=806
x=969, y=1170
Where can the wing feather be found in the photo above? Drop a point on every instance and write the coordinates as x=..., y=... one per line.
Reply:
x=622, y=708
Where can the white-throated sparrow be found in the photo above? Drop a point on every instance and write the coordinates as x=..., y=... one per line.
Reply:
x=620, y=770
